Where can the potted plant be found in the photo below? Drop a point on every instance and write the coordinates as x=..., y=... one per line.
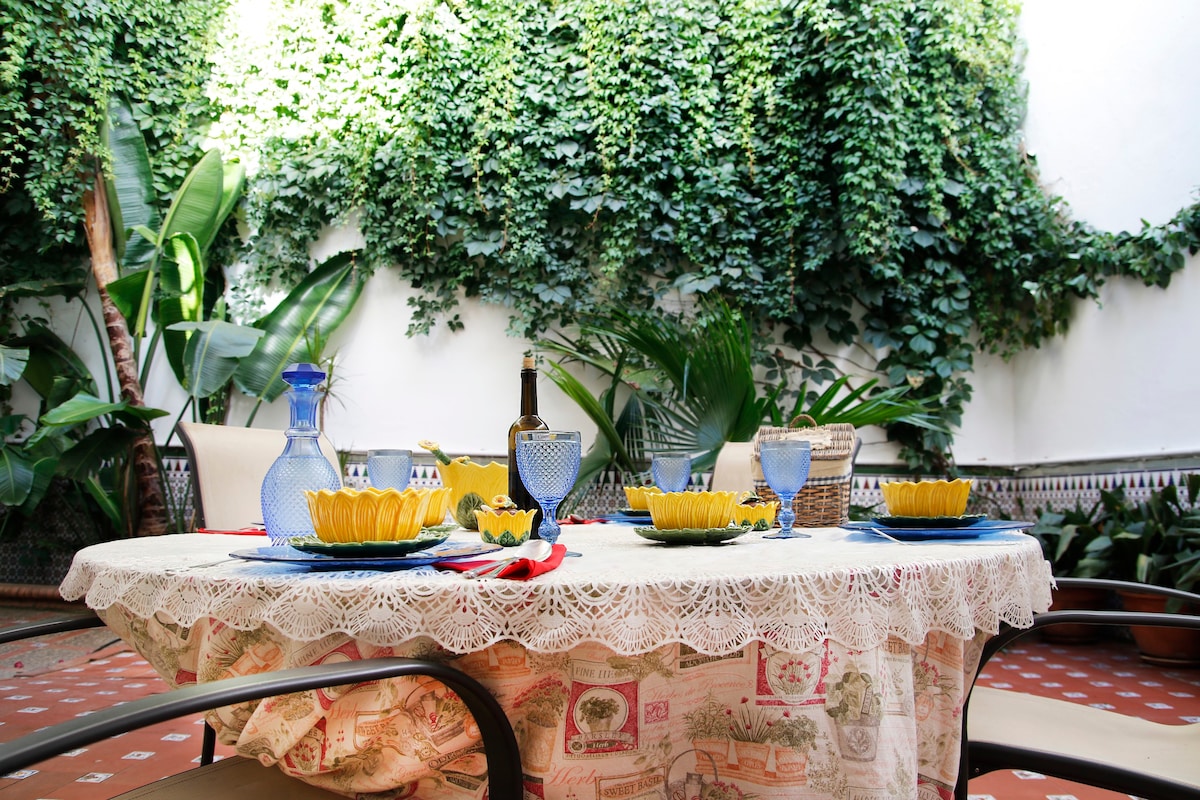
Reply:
x=708, y=729
x=1155, y=542
x=1072, y=543
x=856, y=705
x=750, y=731
x=794, y=737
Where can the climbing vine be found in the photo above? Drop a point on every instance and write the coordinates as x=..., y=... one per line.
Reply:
x=842, y=170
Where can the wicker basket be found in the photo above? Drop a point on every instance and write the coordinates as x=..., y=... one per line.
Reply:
x=825, y=499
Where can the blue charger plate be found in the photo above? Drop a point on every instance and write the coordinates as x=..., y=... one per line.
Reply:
x=973, y=531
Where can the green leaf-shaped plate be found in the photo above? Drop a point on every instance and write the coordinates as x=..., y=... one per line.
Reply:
x=692, y=535
x=425, y=539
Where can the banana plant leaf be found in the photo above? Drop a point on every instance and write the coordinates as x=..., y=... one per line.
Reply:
x=181, y=277
x=193, y=212
x=12, y=364
x=54, y=287
x=213, y=353
x=130, y=186
x=16, y=475
x=52, y=363
x=320, y=303
x=89, y=455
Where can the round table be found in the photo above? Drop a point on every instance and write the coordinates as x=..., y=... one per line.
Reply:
x=833, y=666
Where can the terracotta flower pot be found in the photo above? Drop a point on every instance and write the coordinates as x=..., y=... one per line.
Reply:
x=1168, y=647
x=1077, y=598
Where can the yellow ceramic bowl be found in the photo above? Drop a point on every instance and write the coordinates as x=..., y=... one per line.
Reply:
x=760, y=517
x=926, y=498
x=370, y=515
x=505, y=528
x=464, y=478
x=439, y=503
x=675, y=510
x=636, y=496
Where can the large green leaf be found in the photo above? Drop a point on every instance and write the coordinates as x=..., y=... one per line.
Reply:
x=193, y=212
x=91, y=453
x=51, y=287
x=130, y=186
x=16, y=476
x=232, y=184
x=213, y=353
x=51, y=360
x=320, y=303
x=80, y=408
x=181, y=277
x=198, y=200
x=12, y=364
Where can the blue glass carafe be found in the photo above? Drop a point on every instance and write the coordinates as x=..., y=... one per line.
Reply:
x=302, y=465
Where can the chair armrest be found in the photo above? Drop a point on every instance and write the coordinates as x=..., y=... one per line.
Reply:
x=75, y=622
x=499, y=741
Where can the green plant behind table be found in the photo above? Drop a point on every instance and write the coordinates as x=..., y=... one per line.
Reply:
x=688, y=383
x=1155, y=541
x=77, y=439
x=1072, y=541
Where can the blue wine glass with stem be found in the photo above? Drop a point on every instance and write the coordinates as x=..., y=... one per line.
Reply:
x=785, y=464
x=548, y=462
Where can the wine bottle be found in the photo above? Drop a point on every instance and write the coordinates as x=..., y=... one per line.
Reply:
x=528, y=421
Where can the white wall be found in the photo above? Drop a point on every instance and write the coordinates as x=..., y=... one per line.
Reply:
x=1114, y=119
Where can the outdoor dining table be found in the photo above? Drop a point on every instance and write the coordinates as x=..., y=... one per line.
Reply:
x=828, y=667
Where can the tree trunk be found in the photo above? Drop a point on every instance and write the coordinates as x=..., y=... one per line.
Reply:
x=152, y=507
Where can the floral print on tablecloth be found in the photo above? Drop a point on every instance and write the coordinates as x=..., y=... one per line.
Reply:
x=669, y=724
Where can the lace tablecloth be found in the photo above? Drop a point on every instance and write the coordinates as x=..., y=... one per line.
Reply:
x=833, y=667
x=626, y=593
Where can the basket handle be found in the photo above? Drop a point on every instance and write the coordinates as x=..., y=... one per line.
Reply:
x=812, y=423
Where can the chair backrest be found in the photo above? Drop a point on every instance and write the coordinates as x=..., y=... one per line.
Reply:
x=732, y=472
x=228, y=464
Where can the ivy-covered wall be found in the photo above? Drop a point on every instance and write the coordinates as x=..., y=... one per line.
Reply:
x=849, y=172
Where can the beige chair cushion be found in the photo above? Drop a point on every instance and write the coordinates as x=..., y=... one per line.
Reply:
x=732, y=471
x=229, y=779
x=1060, y=726
x=228, y=466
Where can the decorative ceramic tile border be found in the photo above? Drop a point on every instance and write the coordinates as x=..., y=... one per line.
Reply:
x=1019, y=496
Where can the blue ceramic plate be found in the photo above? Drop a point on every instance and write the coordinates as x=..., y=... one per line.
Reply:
x=979, y=528
x=438, y=552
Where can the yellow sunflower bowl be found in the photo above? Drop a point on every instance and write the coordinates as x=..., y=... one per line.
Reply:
x=370, y=515
x=439, y=504
x=636, y=496
x=700, y=510
x=926, y=498
x=507, y=528
x=759, y=516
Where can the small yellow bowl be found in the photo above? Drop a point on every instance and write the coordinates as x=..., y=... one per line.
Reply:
x=439, y=504
x=926, y=498
x=759, y=517
x=702, y=510
x=636, y=496
x=370, y=515
x=505, y=528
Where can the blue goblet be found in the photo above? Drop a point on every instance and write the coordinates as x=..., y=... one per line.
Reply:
x=785, y=464
x=671, y=472
x=548, y=462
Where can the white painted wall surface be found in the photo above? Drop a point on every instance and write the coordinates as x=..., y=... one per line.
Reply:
x=1114, y=119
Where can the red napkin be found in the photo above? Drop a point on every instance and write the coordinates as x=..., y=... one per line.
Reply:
x=520, y=570
x=247, y=531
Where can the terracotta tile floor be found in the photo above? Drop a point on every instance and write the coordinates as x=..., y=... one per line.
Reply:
x=69, y=674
